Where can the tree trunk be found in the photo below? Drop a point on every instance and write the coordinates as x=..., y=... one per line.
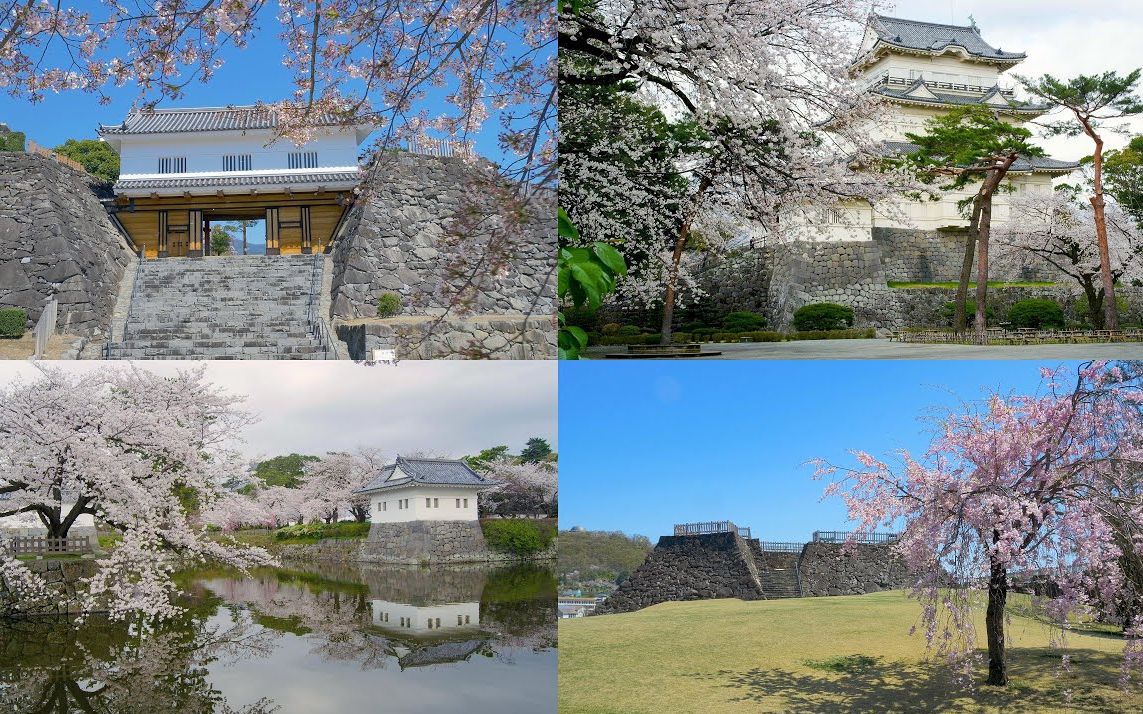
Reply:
x=1110, y=317
x=676, y=260
x=244, y=238
x=979, y=323
x=1094, y=303
x=994, y=625
x=960, y=304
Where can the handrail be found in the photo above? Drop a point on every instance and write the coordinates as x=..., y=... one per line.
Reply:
x=45, y=327
x=109, y=347
x=854, y=537
x=318, y=327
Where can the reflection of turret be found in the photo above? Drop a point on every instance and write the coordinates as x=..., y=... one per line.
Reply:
x=423, y=586
x=443, y=653
x=405, y=620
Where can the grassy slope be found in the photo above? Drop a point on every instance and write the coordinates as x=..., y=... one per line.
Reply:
x=735, y=656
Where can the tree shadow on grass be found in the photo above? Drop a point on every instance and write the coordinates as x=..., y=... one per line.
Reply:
x=1037, y=684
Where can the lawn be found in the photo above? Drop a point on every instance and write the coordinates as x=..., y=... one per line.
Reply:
x=972, y=285
x=825, y=655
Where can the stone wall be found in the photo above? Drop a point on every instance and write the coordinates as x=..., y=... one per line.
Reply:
x=63, y=579
x=512, y=337
x=409, y=233
x=56, y=239
x=832, y=569
x=921, y=256
x=688, y=568
x=924, y=307
x=429, y=542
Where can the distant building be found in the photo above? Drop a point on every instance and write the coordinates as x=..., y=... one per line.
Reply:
x=425, y=490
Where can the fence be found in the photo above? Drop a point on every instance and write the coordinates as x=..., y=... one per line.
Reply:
x=843, y=536
x=688, y=529
x=34, y=148
x=45, y=328
x=36, y=545
x=781, y=547
x=439, y=147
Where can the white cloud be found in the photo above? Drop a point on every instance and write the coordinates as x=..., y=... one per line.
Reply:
x=449, y=407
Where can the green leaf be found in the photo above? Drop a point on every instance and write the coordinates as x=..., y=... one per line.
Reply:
x=578, y=335
x=567, y=229
x=610, y=257
x=588, y=277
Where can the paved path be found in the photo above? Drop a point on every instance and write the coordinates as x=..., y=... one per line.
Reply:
x=884, y=349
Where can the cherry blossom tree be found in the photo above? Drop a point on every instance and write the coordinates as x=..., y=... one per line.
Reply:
x=1018, y=482
x=524, y=488
x=126, y=446
x=330, y=485
x=780, y=126
x=1059, y=230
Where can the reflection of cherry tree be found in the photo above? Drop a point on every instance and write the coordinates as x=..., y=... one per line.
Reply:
x=118, y=669
x=138, y=451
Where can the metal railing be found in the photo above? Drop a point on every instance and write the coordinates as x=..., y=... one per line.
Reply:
x=854, y=537
x=439, y=147
x=38, y=545
x=318, y=327
x=707, y=527
x=770, y=546
x=45, y=328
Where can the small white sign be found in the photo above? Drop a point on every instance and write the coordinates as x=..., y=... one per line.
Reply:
x=386, y=356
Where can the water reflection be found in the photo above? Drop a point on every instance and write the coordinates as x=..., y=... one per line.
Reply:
x=317, y=640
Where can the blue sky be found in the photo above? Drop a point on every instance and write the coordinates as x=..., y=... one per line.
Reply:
x=644, y=445
x=249, y=75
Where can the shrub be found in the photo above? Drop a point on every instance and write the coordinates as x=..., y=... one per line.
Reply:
x=694, y=327
x=1037, y=313
x=610, y=328
x=13, y=321
x=743, y=321
x=629, y=330
x=1081, y=306
x=517, y=535
x=865, y=333
x=388, y=305
x=823, y=316
x=629, y=339
x=319, y=531
x=949, y=312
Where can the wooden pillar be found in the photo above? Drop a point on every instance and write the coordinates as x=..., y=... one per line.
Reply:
x=207, y=248
x=194, y=234
x=273, y=245
x=164, y=249
x=307, y=238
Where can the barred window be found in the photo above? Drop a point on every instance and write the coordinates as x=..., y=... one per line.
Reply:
x=303, y=160
x=236, y=162
x=172, y=164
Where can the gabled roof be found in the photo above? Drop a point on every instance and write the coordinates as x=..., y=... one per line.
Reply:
x=913, y=94
x=935, y=37
x=191, y=119
x=1024, y=164
x=430, y=472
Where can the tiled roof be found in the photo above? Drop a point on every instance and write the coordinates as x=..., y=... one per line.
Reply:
x=1024, y=163
x=959, y=99
x=333, y=177
x=934, y=37
x=434, y=472
x=166, y=121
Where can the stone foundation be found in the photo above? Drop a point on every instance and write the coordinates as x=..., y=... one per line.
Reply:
x=64, y=579
x=495, y=337
x=831, y=569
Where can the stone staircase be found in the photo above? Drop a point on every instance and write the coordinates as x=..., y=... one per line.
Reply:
x=228, y=307
x=778, y=572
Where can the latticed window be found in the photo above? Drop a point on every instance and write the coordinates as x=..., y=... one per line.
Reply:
x=236, y=162
x=172, y=164
x=303, y=160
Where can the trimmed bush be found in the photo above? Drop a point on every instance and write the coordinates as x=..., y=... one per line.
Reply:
x=743, y=321
x=388, y=305
x=13, y=322
x=864, y=333
x=1036, y=313
x=949, y=312
x=610, y=328
x=823, y=316
x=629, y=330
x=695, y=327
x=518, y=535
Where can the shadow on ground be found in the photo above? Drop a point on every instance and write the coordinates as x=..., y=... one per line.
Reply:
x=1038, y=684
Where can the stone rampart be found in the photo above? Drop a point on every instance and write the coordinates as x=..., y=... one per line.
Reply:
x=56, y=240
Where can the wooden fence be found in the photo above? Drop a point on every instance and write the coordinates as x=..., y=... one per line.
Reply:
x=706, y=527
x=843, y=536
x=45, y=328
x=1022, y=336
x=34, y=148
x=38, y=545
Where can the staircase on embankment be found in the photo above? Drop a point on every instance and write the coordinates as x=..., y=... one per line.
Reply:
x=777, y=569
x=226, y=307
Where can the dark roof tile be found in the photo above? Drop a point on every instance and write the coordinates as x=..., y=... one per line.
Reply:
x=167, y=121
x=332, y=177
x=934, y=37
x=436, y=472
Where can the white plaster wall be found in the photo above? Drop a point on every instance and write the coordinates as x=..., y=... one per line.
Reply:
x=445, y=510
x=139, y=155
x=944, y=68
x=423, y=620
x=930, y=215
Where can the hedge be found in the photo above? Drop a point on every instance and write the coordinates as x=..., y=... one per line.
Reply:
x=754, y=336
x=519, y=536
x=823, y=316
x=13, y=321
x=1036, y=313
x=320, y=531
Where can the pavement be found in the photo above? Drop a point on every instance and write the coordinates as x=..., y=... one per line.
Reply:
x=884, y=349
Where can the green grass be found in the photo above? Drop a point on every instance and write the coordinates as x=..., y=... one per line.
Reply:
x=972, y=285
x=826, y=655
